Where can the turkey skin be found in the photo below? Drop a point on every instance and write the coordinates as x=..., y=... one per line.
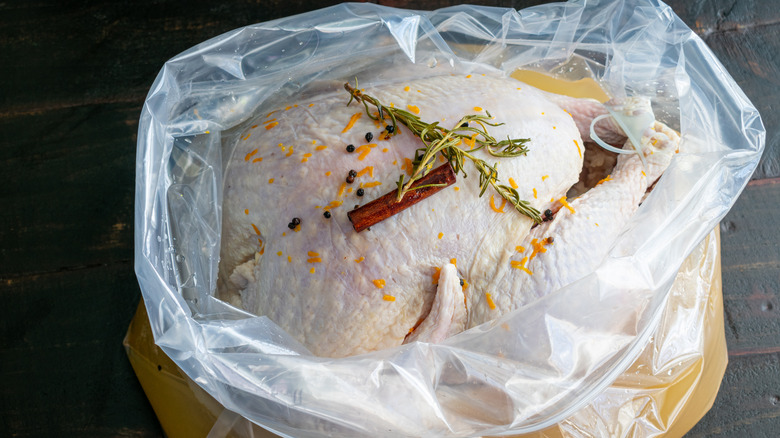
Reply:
x=448, y=263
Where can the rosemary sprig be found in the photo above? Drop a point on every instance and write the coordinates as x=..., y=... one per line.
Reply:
x=438, y=139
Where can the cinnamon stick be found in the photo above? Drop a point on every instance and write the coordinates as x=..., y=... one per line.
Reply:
x=382, y=208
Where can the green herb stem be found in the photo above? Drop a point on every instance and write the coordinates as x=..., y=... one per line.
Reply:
x=437, y=139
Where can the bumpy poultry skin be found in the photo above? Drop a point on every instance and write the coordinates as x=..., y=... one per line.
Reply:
x=343, y=293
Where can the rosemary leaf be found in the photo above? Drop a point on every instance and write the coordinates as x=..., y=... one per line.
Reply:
x=438, y=139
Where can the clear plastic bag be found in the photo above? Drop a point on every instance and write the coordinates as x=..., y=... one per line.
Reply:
x=524, y=372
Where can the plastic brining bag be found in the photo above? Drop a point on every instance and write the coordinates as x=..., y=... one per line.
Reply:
x=529, y=369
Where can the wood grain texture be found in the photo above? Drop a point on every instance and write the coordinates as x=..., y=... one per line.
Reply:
x=72, y=82
x=751, y=270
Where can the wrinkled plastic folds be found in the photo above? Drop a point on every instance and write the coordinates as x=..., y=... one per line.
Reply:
x=669, y=387
x=526, y=371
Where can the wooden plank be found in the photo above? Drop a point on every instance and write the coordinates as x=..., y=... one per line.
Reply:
x=62, y=364
x=67, y=186
x=748, y=404
x=751, y=270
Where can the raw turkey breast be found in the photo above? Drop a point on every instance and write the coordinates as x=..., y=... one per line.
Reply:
x=450, y=262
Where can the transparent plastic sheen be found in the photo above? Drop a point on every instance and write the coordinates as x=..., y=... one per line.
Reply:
x=525, y=371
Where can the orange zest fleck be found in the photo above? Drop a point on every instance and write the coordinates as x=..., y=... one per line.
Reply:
x=305, y=157
x=313, y=254
x=454, y=261
x=413, y=109
x=579, y=151
x=327, y=173
x=359, y=260
x=289, y=259
x=566, y=204
x=246, y=211
x=607, y=178
x=352, y=121
x=271, y=181
x=290, y=152
x=535, y=193
x=441, y=235
x=643, y=173
x=279, y=253
x=388, y=298
x=333, y=204
x=493, y=205
x=477, y=108
x=471, y=141
x=288, y=107
x=372, y=184
x=257, y=230
x=544, y=177
x=311, y=270
x=513, y=183
x=521, y=265
x=520, y=248
x=489, y=300
x=321, y=147
x=468, y=76
x=311, y=105
x=271, y=125
x=257, y=160
x=435, y=275
x=385, y=149
x=249, y=155
x=463, y=288
x=364, y=150
x=408, y=167
x=314, y=260
x=456, y=188
x=379, y=283
x=367, y=169
x=341, y=189
x=539, y=246
x=406, y=88
x=246, y=136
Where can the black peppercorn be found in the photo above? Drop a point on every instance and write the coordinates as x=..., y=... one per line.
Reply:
x=350, y=148
x=350, y=179
x=390, y=128
x=369, y=136
x=550, y=240
x=360, y=192
x=548, y=215
x=291, y=226
x=465, y=125
x=352, y=173
x=326, y=214
x=461, y=282
x=296, y=221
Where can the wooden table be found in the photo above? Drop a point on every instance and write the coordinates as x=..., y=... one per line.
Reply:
x=73, y=77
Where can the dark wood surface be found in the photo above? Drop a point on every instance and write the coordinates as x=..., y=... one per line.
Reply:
x=73, y=77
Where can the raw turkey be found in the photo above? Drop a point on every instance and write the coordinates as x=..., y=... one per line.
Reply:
x=448, y=263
